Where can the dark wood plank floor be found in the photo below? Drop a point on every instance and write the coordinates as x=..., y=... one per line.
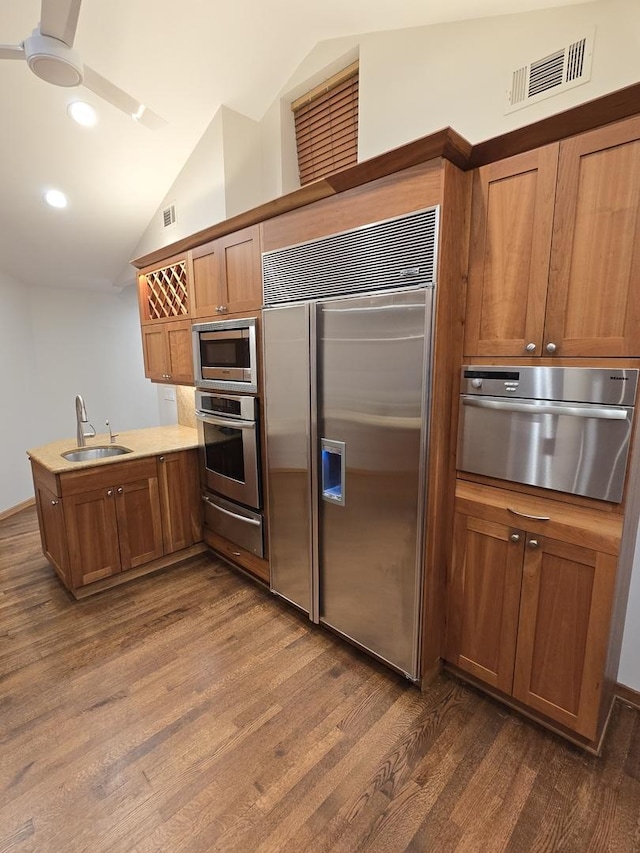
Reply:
x=191, y=711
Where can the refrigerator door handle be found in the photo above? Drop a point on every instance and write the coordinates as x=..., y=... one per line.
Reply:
x=333, y=463
x=312, y=449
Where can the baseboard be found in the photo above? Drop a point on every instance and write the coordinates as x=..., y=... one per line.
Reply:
x=13, y=510
x=628, y=694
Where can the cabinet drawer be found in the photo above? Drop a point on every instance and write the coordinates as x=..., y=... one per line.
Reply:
x=590, y=528
x=108, y=474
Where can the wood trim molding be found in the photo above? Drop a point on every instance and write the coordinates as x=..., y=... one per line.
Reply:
x=604, y=110
x=14, y=510
x=628, y=694
x=445, y=143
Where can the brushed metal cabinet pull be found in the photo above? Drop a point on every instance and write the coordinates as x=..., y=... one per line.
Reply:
x=531, y=517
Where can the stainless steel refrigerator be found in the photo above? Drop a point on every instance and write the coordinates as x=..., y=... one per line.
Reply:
x=347, y=396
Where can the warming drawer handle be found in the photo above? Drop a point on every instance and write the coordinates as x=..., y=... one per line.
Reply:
x=214, y=421
x=232, y=514
x=589, y=411
x=530, y=517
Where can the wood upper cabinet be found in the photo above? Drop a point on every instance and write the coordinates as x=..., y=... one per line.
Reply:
x=164, y=298
x=555, y=250
x=167, y=351
x=593, y=307
x=179, y=484
x=114, y=526
x=164, y=290
x=227, y=274
x=511, y=223
x=531, y=599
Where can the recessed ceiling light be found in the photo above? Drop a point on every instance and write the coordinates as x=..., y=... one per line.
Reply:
x=55, y=198
x=83, y=113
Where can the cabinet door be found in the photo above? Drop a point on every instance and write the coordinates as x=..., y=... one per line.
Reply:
x=92, y=535
x=565, y=610
x=180, y=503
x=241, y=270
x=208, y=292
x=154, y=349
x=484, y=599
x=180, y=352
x=139, y=527
x=511, y=222
x=52, y=530
x=593, y=306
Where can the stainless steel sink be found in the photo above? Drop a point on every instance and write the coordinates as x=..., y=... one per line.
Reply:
x=84, y=454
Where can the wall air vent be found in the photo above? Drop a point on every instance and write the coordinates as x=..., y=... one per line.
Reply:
x=558, y=71
x=169, y=216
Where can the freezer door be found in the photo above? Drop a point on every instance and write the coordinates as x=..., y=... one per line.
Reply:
x=372, y=390
x=287, y=415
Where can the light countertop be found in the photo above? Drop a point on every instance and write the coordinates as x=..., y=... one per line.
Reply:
x=151, y=441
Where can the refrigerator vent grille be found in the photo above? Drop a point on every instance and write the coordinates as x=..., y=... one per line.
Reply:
x=394, y=253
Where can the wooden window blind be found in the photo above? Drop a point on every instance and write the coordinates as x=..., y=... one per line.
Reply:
x=326, y=121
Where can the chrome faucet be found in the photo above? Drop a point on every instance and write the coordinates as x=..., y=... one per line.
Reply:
x=81, y=418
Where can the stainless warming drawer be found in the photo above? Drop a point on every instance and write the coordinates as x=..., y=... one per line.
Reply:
x=561, y=428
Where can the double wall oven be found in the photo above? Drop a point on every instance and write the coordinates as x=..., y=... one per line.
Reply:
x=229, y=431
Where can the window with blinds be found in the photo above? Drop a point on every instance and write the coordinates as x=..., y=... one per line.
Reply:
x=326, y=121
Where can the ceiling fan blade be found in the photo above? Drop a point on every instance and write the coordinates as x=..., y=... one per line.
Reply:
x=11, y=51
x=59, y=19
x=120, y=99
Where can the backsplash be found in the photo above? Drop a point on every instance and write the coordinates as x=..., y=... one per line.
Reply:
x=186, y=403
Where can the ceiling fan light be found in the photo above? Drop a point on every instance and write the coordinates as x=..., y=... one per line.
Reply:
x=52, y=60
x=83, y=113
x=55, y=198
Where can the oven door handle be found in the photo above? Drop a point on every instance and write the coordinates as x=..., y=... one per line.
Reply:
x=586, y=411
x=232, y=514
x=216, y=421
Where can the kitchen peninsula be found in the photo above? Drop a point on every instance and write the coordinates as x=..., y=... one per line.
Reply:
x=106, y=521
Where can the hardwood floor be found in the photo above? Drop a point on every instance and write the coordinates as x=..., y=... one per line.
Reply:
x=192, y=711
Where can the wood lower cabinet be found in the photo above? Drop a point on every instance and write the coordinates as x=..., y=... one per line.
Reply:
x=531, y=600
x=52, y=529
x=227, y=274
x=168, y=352
x=105, y=521
x=178, y=476
x=116, y=526
x=555, y=250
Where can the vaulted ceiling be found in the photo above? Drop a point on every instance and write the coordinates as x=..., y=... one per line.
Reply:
x=183, y=60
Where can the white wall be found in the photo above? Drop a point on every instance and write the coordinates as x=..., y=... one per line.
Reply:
x=88, y=343
x=20, y=407
x=629, y=671
x=57, y=343
x=416, y=81
x=242, y=162
x=198, y=193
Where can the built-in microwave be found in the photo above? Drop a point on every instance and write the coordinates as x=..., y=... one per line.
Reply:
x=224, y=355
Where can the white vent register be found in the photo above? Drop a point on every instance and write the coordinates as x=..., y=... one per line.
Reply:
x=565, y=68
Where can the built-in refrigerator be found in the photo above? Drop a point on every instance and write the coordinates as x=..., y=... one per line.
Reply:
x=346, y=404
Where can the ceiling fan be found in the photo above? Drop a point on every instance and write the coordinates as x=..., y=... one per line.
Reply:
x=50, y=55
